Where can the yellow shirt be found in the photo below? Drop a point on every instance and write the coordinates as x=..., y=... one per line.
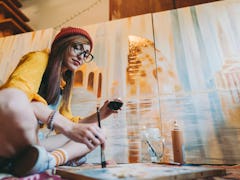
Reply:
x=28, y=76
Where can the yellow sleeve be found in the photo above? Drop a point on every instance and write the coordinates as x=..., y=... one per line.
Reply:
x=67, y=112
x=28, y=75
x=69, y=116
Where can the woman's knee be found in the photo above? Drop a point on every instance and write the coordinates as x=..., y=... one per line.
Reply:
x=16, y=109
x=13, y=101
x=18, y=123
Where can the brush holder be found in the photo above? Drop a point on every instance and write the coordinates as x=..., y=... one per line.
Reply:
x=152, y=145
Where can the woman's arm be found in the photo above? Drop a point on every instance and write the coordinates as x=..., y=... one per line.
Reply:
x=105, y=111
x=28, y=74
x=89, y=134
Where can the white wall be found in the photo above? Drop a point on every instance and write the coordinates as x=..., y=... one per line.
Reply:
x=56, y=13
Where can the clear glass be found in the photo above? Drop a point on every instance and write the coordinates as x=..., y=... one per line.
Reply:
x=152, y=145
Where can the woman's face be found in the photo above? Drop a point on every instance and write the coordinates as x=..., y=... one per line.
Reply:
x=76, y=55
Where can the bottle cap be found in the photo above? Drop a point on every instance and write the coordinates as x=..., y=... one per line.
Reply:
x=175, y=126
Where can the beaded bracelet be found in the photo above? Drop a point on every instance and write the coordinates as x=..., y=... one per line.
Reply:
x=50, y=120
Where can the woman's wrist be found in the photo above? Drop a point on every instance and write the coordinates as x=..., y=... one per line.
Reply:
x=50, y=120
x=62, y=124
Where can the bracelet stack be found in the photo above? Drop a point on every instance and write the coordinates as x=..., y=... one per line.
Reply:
x=51, y=120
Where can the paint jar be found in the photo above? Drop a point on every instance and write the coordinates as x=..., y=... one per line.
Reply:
x=152, y=145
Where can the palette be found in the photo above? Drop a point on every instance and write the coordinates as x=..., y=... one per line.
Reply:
x=139, y=171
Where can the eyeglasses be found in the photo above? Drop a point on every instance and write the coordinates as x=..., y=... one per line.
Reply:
x=79, y=50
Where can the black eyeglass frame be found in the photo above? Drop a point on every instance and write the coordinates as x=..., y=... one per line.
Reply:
x=87, y=56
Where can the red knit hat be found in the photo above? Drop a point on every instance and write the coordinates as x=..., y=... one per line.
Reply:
x=69, y=31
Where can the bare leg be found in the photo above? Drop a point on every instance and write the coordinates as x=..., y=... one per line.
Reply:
x=18, y=123
x=73, y=149
x=53, y=142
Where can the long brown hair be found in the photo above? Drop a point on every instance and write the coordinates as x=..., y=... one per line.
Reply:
x=50, y=86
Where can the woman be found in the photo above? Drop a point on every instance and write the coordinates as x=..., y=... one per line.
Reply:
x=39, y=92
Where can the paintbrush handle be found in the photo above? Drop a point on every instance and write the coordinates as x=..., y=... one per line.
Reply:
x=103, y=161
x=152, y=149
x=98, y=117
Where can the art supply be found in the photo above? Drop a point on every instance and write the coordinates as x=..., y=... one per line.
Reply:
x=177, y=144
x=151, y=149
x=115, y=105
x=152, y=145
x=168, y=163
x=103, y=160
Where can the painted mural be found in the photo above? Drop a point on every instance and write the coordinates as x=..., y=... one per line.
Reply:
x=181, y=65
x=202, y=44
x=12, y=48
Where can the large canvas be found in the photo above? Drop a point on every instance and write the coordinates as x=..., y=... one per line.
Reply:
x=201, y=43
x=180, y=65
x=12, y=48
x=120, y=48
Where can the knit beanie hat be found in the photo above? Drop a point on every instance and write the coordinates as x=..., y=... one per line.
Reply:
x=70, y=31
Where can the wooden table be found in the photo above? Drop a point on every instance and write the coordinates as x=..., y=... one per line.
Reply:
x=142, y=171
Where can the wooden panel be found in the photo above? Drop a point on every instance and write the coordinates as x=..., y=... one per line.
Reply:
x=9, y=13
x=15, y=7
x=139, y=171
x=15, y=2
x=125, y=8
x=185, y=3
x=9, y=24
x=157, y=5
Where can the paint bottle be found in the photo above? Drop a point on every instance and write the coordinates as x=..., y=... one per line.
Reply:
x=177, y=144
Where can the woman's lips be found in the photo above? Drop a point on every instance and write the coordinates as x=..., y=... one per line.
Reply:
x=76, y=62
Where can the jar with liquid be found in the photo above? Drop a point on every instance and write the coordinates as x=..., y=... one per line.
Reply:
x=152, y=145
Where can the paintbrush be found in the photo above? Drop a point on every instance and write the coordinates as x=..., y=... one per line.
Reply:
x=103, y=161
x=151, y=148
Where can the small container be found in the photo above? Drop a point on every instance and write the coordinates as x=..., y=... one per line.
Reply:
x=152, y=145
x=177, y=144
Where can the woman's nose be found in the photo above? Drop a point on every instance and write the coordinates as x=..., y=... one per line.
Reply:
x=80, y=56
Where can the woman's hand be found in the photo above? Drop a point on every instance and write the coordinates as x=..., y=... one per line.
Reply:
x=86, y=133
x=89, y=134
x=106, y=111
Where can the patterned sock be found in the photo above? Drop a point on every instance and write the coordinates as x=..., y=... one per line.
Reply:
x=60, y=156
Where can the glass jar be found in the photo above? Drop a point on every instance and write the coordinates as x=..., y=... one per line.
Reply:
x=152, y=145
